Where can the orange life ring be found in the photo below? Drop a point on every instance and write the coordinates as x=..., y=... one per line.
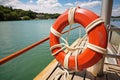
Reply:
x=97, y=36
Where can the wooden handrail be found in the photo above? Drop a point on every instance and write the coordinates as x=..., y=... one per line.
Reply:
x=14, y=55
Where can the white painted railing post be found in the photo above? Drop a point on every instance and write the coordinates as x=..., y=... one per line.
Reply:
x=106, y=10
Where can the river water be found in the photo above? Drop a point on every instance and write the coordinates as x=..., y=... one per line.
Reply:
x=15, y=35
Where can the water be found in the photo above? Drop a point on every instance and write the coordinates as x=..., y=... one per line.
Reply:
x=15, y=35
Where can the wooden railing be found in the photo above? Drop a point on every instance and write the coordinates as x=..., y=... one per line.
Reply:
x=14, y=55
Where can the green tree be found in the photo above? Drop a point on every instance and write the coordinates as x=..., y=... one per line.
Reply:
x=14, y=16
x=1, y=16
x=6, y=10
x=26, y=18
x=11, y=8
x=31, y=14
x=22, y=13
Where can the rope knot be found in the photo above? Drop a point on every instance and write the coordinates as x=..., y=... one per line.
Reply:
x=65, y=74
x=69, y=48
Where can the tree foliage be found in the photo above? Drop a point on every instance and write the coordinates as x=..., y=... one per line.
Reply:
x=8, y=13
x=26, y=18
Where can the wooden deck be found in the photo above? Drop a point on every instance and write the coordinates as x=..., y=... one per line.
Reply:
x=111, y=72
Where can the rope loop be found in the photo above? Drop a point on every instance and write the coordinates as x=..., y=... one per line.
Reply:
x=71, y=14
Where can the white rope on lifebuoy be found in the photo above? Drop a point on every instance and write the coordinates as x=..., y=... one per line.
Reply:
x=71, y=15
x=66, y=45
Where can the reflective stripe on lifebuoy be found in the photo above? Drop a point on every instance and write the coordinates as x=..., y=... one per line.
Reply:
x=96, y=36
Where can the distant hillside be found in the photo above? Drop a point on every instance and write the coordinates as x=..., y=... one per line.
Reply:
x=8, y=13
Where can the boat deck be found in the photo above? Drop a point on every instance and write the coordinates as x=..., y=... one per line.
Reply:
x=111, y=68
x=111, y=72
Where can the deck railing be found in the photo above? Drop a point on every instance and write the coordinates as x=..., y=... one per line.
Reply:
x=114, y=28
x=14, y=55
x=115, y=36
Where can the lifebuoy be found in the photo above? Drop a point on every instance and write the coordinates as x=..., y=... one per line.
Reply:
x=97, y=36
